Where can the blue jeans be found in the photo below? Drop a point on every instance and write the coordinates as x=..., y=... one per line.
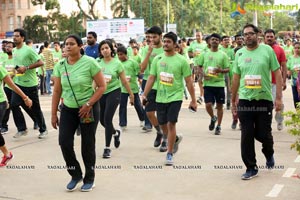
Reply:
x=35, y=112
x=48, y=78
x=123, y=108
x=295, y=96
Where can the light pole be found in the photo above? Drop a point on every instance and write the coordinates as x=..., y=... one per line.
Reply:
x=168, y=13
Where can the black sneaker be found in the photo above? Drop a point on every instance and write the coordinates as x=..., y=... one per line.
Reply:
x=234, y=123
x=106, y=153
x=250, y=173
x=212, y=123
x=158, y=139
x=163, y=146
x=218, y=130
x=270, y=162
x=117, y=138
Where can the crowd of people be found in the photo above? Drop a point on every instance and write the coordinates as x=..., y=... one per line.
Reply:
x=245, y=73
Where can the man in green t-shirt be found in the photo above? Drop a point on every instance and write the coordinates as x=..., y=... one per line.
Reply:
x=215, y=65
x=169, y=70
x=252, y=81
x=26, y=60
x=153, y=49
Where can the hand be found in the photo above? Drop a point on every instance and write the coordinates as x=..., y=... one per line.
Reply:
x=84, y=110
x=21, y=70
x=219, y=70
x=144, y=100
x=131, y=99
x=234, y=108
x=283, y=86
x=28, y=102
x=193, y=105
x=54, y=121
x=278, y=104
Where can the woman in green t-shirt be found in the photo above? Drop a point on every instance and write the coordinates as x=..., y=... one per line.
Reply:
x=73, y=79
x=294, y=70
x=4, y=76
x=113, y=71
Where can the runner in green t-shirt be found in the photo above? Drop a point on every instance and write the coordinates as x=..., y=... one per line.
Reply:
x=215, y=65
x=132, y=70
x=288, y=48
x=114, y=74
x=293, y=66
x=26, y=61
x=252, y=81
x=4, y=77
x=169, y=69
x=154, y=48
x=73, y=80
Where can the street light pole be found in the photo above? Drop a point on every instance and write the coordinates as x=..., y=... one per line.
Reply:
x=168, y=13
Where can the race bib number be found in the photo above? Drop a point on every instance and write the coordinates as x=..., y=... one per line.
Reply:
x=166, y=78
x=128, y=78
x=296, y=67
x=55, y=59
x=10, y=69
x=253, y=81
x=107, y=78
x=211, y=71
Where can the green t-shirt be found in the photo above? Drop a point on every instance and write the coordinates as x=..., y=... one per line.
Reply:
x=3, y=57
x=26, y=56
x=132, y=70
x=170, y=72
x=197, y=47
x=288, y=51
x=137, y=58
x=111, y=73
x=81, y=78
x=293, y=65
x=155, y=52
x=229, y=52
x=254, y=68
x=57, y=55
x=129, y=51
x=10, y=68
x=3, y=74
x=210, y=61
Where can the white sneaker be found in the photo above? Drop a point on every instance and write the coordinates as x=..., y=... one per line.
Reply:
x=42, y=135
x=142, y=123
x=20, y=133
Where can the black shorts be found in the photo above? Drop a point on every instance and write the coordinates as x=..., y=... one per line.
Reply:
x=151, y=105
x=168, y=112
x=214, y=94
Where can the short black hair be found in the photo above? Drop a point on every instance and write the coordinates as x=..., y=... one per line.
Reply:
x=76, y=38
x=269, y=31
x=171, y=36
x=10, y=42
x=255, y=29
x=93, y=34
x=56, y=42
x=155, y=30
x=22, y=32
x=29, y=41
x=131, y=41
x=237, y=35
x=215, y=35
x=46, y=44
x=122, y=49
x=223, y=37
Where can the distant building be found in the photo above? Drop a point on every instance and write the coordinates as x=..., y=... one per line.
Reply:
x=13, y=13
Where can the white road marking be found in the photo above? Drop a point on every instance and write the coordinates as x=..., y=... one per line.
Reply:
x=297, y=159
x=289, y=172
x=275, y=190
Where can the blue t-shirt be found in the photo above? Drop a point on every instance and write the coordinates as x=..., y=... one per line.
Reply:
x=92, y=51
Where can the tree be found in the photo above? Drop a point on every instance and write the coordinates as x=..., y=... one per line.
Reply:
x=35, y=27
x=120, y=8
x=91, y=13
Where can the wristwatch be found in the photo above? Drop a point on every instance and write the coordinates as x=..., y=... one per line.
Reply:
x=88, y=104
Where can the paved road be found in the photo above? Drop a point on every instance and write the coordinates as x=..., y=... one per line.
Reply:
x=206, y=166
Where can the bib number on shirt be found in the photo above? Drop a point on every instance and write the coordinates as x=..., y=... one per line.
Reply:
x=10, y=69
x=107, y=78
x=166, y=78
x=296, y=67
x=253, y=81
x=211, y=71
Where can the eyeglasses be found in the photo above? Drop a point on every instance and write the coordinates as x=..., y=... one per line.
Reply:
x=249, y=34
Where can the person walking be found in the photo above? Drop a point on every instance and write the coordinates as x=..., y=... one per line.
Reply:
x=73, y=79
x=251, y=80
x=26, y=61
x=113, y=71
x=170, y=68
x=5, y=77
